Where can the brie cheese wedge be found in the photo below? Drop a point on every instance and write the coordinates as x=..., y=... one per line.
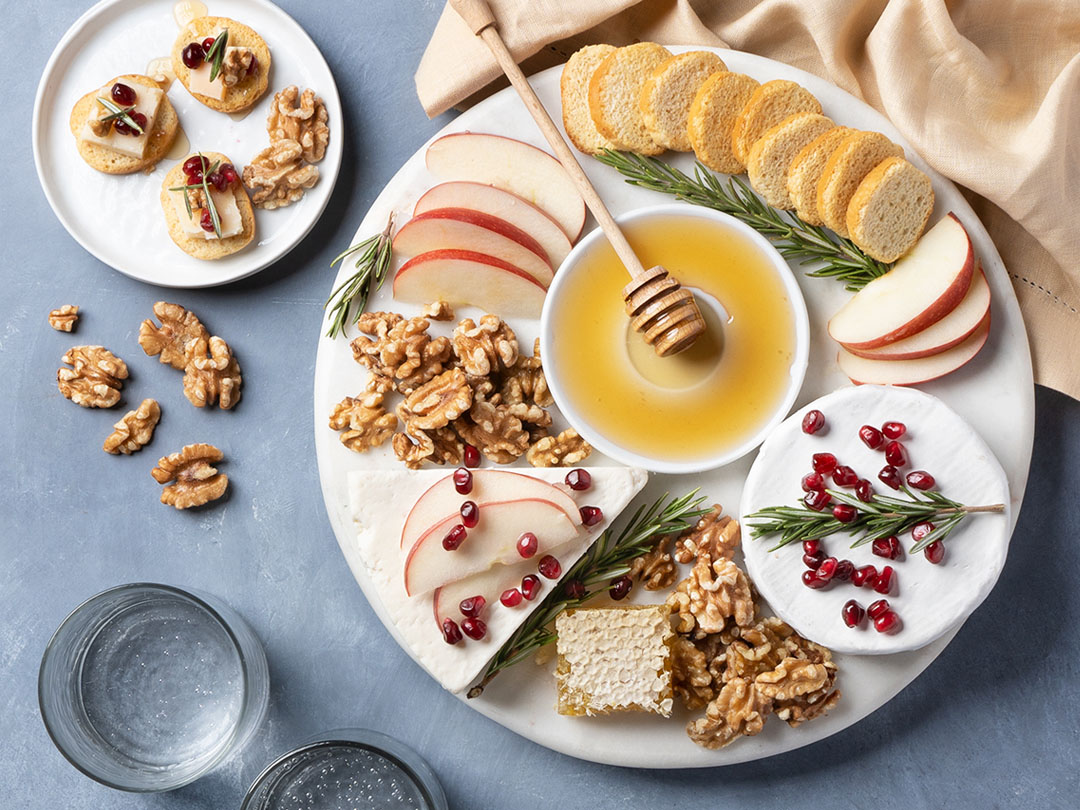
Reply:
x=147, y=101
x=228, y=213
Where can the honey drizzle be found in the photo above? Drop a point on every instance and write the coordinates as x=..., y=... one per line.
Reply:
x=187, y=10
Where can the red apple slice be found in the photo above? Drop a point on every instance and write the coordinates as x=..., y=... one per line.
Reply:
x=493, y=542
x=502, y=204
x=442, y=500
x=462, y=229
x=513, y=166
x=953, y=329
x=468, y=277
x=489, y=584
x=911, y=372
x=921, y=289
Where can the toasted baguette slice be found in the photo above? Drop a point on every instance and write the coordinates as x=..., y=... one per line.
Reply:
x=889, y=209
x=770, y=157
x=574, y=89
x=208, y=249
x=245, y=93
x=805, y=171
x=768, y=106
x=162, y=134
x=614, y=91
x=669, y=92
x=846, y=167
x=712, y=117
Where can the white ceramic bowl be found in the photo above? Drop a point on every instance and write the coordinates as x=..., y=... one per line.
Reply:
x=592, y=432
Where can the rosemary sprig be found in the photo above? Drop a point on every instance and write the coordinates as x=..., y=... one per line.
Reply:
x=116, y=111
x=211, y=206
x=608, y=557
x=216, y=53
x=884, y=515
x=372, y=265
x=839, y=258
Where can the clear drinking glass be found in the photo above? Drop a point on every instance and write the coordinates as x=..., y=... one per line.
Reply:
x=147, y=687
x=345, y=769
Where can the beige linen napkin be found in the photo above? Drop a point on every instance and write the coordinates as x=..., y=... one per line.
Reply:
x=988, y=92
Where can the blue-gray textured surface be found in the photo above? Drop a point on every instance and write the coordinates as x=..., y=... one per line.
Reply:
x=992, y=723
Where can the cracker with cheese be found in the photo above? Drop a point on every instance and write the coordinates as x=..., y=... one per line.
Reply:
x=235, y=214
x=241, y=74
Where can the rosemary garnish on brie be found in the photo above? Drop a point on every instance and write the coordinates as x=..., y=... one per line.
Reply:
x=117, y=112
x=216, y=53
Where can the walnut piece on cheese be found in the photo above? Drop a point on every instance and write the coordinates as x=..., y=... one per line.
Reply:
x=615, y=659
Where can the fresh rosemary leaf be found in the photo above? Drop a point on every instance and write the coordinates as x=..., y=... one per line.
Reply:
x=123, y=113
x=806, y=244
x=216, y=54
x=372, y=263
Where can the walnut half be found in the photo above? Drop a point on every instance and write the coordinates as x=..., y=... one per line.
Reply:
x=212, y=375
x=277, y=176
x=63, y=319
x=300, y=118
x=95, y=377
x=364, y=420
x=194, y=480
x=134, y=430
x=175, y=340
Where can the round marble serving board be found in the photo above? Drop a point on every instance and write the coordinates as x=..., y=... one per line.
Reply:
x=994, y=389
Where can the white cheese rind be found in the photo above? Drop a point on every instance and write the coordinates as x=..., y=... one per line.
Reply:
x=147, y=101
x=930, y=599
x=380, y=500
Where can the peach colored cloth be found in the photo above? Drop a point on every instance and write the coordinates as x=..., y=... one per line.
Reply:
x=988, y=92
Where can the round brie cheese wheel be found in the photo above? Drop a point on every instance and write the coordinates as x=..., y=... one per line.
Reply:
x=930, y=599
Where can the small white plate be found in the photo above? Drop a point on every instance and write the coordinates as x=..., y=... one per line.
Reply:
x=118, y=218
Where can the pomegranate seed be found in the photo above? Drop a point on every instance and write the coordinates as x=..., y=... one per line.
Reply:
x=620, y=587
x=123, y=95
x=877, y=608
x=844, y=476
x=473, y=606
x=530, y=586
x=844, y=571
x=827, y=568
x=474, y=628
x=206, y=222
x=889, y=476
x=813, y=421
x=124, y=128
x=853, y=613
x=217, y=180
x=812, y=561
x=812, y=481
x=920, y=530
x=549, y=567
x=864, y=576
x=884, y=581
x=578, y=480
x=462, y=481
x=511, y=597
x=206, y=43
x=887, y=622
x=935, y=552
x=817, y=499
x=823, y=463
x=454, y=538
x=811, y=546
x=193, y=55
x=527, y=545
x=845, y=512
x=575, y=589
x=812, y=580
x=472, y=457
x=920, y=479
x=195, y=178
x=470, y=514
x=895, y=454
x=894, y=430
x=195, y=163
x=451, y=633
x=591, y=515
x=887, y=547
x=228, y=171
x=864, y=491
x=871, y=437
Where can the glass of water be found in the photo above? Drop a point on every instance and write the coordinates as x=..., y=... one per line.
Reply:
x=347, y=769
x=147, y=687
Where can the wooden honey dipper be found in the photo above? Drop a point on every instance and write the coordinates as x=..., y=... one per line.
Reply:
x=660, y=308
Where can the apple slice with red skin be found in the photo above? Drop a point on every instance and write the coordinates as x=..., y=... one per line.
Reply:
x=468, y=277
x=952, y=330
x=462, y=229
x=490, y=584
x=492, y=542
x=442, y=500
x=514, y=166
x=860, y=370
x=922, y=288
x=503, y=204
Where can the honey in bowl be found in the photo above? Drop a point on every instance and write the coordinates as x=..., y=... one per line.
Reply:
x=705, y=402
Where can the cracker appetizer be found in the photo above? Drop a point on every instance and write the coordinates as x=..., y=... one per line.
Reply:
x=222, y=63
x=207, y=210
x=125, y=126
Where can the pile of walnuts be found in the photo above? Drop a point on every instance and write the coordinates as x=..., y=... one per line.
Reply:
x=473, y=388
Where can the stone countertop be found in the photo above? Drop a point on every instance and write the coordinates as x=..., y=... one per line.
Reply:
x=993, y=722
